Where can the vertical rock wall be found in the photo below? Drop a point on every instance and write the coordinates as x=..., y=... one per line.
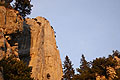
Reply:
x=45, y=58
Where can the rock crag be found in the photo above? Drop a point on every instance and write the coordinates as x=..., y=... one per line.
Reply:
x=11, y=25
x=44, y=54
x=32, y=41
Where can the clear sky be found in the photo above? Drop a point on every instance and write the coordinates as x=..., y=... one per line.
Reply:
x=89, y=27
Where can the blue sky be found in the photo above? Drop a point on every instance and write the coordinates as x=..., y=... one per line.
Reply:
x=89, y=27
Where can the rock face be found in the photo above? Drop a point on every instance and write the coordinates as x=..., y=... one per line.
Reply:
x=10, y=21
x=11, y=24
x=32, y=41
x=44, y=54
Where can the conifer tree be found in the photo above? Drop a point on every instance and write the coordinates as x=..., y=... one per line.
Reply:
x=68, y=69
x=23, y=6
x=85, y=72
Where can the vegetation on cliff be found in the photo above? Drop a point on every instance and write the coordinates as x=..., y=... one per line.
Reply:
x=102, y=68
x=14, y=69
x=23, y=6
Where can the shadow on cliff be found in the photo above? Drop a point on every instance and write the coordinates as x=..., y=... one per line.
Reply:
x=24, y=44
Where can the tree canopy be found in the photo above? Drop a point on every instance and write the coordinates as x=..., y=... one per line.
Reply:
x=23, y=6
x=102, y=68
x=85, y=71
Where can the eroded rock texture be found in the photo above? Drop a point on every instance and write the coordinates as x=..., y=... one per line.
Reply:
x=33, y=41
x=10, y=21
x=44, y=54
x=11, y=25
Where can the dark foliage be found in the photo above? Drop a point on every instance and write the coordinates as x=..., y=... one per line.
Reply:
x=97, y=67
x=85, y=72
x=117, y=74
x=23, y=6
x=100, y=65
x=68, y=69
x=15, y=70
x=116, y=53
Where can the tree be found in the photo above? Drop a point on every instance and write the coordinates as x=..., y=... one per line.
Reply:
x=101, y=65
x=98, y=66
x=85, y=72
x=68, y=69
x=23, y=6
x=116, y=53
x=15, y=70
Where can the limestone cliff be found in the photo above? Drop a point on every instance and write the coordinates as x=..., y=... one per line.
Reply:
x=33, y=41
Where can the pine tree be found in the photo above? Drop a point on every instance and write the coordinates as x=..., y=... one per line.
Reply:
x=23, y=6
x=85, y=72
x=84, y=65
x=68, y=69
